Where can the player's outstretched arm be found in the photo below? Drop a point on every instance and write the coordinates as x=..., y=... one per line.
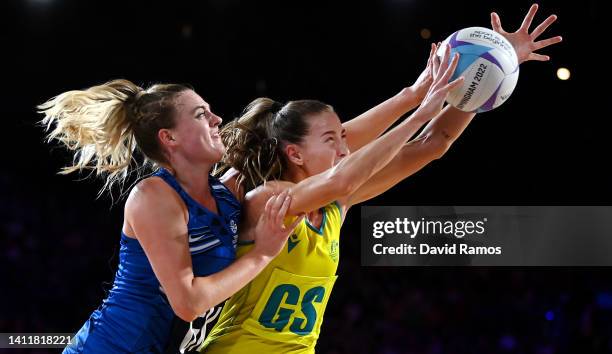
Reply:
x=451, y=122
x=341, y=181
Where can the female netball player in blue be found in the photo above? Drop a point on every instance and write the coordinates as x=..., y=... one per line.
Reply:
x=180, y=224
x=305, y=148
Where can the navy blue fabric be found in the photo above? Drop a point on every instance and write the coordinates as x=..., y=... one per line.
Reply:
x=136, y=316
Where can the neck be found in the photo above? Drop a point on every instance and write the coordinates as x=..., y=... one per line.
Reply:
x=192, y=177
x=294, y=174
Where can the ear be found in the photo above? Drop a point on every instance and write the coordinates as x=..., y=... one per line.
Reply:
x=294, y=154
x=166, y=137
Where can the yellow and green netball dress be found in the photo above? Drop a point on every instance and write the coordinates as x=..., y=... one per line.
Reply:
x=281, y=310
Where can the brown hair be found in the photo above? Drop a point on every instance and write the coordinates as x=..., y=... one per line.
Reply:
x=254, y=141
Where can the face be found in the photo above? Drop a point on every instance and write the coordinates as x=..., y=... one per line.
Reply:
x=324, y=145
x=196, y=132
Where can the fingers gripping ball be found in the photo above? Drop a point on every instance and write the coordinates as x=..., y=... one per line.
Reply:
x=490, y=67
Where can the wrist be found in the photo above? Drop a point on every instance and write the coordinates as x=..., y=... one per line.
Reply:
x=408, y=98
x=420, y=117
x=260, y=256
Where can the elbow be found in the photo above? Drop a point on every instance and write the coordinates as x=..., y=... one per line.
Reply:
x=185, y=313
x=185, y=309
x=437, y=145
x=341, y=185
x=188, y=309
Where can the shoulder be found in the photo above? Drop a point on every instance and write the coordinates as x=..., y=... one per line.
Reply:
x=230, y=180
x=153, y=197
x=255, y=200
x=150, y=189
x=260, y=195
x=255, y=203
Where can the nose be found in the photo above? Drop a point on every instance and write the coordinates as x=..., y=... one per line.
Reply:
x=343, y=149
x=216, y=120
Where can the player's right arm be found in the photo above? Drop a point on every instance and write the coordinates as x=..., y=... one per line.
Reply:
x=433, y=142
x=158, y=218
x=451, y=122
x=344, y=179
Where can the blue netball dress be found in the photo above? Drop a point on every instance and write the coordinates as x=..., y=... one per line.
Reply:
x=136, y=317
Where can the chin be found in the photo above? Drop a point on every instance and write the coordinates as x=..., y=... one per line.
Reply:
x=220, y=147
x=213, y=154
x=220, y=151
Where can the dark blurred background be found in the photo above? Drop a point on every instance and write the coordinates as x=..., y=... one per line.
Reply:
x=548, y=145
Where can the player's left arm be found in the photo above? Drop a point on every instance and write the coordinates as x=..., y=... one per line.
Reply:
x=371, y=124
x=451, y=122
x=431, y=144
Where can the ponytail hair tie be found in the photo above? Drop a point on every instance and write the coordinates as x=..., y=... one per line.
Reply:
x=271, y=142
x=276, y=107
x=132, y=101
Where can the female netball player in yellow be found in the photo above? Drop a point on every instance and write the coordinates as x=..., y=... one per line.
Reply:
x=302, y=146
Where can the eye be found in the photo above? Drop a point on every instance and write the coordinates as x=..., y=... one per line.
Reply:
x=203, y=115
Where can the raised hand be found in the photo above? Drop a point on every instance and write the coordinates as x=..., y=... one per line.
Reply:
x=442, y=70
x=525, y=43
x=423, y=82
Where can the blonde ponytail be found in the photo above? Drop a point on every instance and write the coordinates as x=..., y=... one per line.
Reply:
x=102, y=125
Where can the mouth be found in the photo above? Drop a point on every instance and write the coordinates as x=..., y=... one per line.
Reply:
x=216, y=135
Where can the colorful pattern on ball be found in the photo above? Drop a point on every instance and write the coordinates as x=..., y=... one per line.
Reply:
x=490, y=67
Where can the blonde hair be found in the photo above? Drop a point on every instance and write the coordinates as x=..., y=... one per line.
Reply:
x=104, y=124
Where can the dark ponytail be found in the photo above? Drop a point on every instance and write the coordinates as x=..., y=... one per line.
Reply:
x=254, y=142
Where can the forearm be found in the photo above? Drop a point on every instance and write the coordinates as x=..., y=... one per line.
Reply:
x=413, y=156
x=431, y=144
x=353, y=171
x=371, y=124
x=449, y=124
x=344, y=179
x=213, y=289
x=363, y=164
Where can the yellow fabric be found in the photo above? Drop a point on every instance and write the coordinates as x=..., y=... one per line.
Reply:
x=281, y=310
